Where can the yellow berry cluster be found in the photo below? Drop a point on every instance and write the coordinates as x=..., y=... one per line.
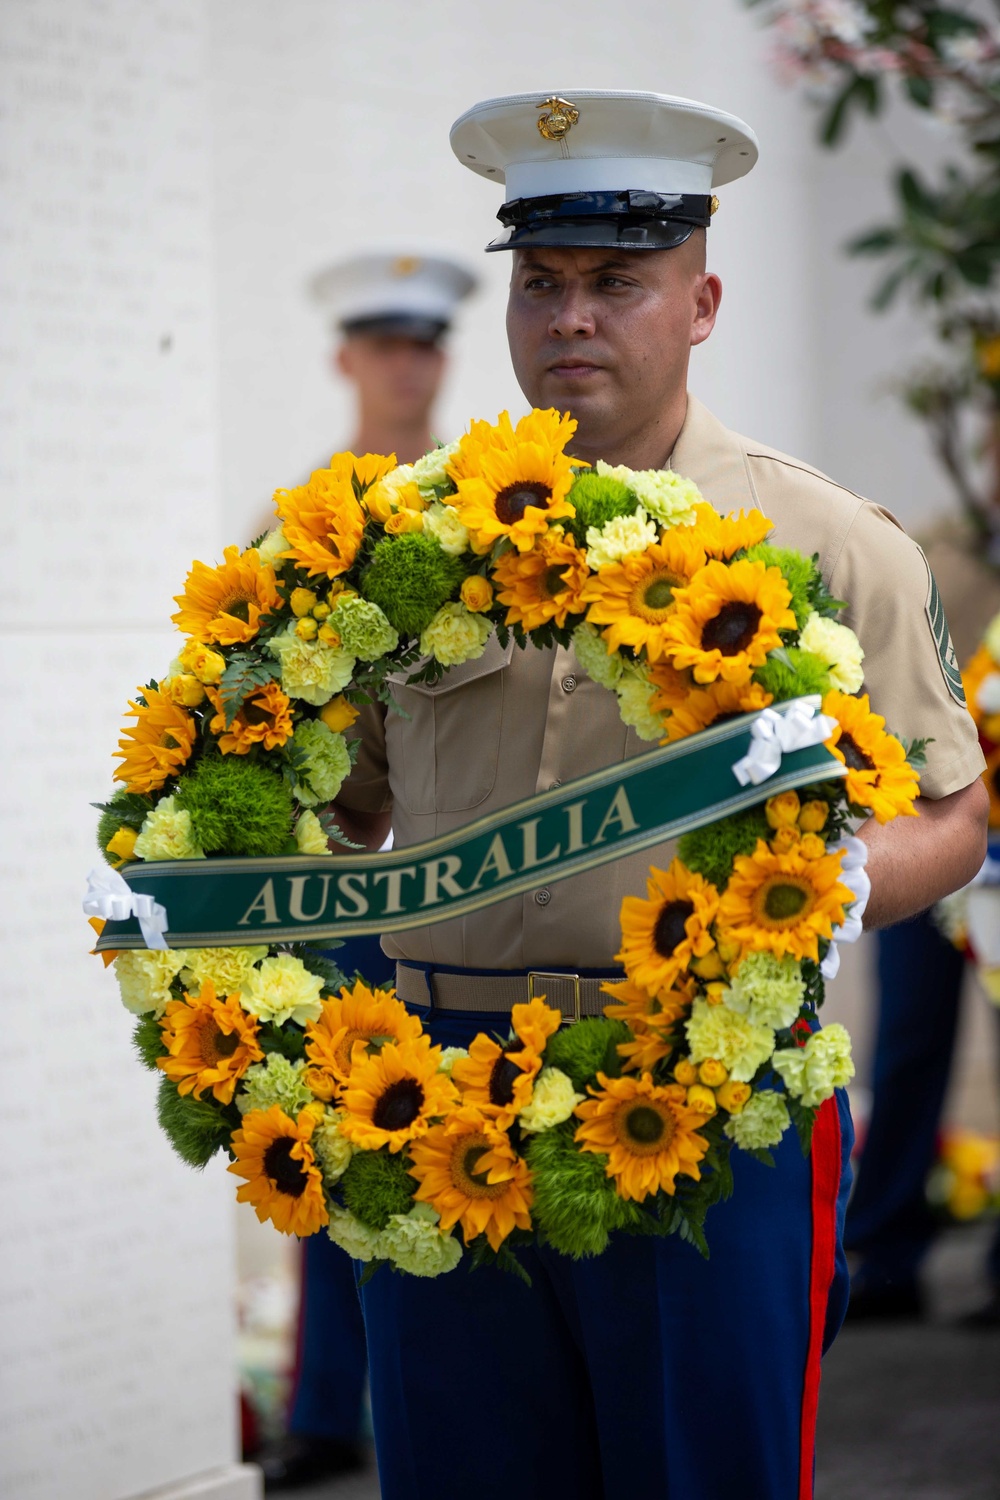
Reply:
x=797, y=825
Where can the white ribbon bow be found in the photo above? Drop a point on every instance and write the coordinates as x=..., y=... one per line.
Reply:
x=773, y=735
x=855, y=877
x=110, y=896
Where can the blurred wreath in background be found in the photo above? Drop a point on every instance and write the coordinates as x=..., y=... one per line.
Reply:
x=942, y=246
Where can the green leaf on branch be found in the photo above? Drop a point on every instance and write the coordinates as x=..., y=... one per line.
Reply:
x=244, y=674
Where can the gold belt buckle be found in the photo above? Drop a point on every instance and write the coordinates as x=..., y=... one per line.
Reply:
x=534, y=974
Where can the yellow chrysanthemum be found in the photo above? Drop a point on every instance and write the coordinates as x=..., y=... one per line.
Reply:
x=358, y=1014
x=467, y=1170
x=392, y=1096
x=661, y=934
x=498, y=1080
x=782, y=902
x=264, y=718
x=722, y=536
x=513, y=481
x=634, y=599
x=283, y=1181
x=211, y=1042
x=648, y=1135
x=158, y=744
x=728, y=619
x=225, y=604
x=543, y=584
x=323, y=521
x=712, y=704
x=878, y=774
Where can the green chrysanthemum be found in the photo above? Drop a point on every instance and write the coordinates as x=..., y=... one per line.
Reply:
x=327, y=762
x=712, y=851
x=798, y=572
x=377, y=1185
x=804, y=674
x=598, y=500
x=575, y=1203
x=409, y=579
x=274, y=1081
x=363, y=629
x=196, y=1128
x=580, y=1051
x=237, y=806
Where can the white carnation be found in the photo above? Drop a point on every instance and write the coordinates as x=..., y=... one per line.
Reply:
x=619, y=537
x=553, y=1100
x=360, y=1242
x=443, y=524
x=838, y=647
x=431, y=471
x=666, y=496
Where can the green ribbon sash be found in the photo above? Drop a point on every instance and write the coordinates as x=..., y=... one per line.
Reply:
x=620, y=810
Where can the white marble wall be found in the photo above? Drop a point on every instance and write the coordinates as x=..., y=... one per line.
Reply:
x=115, y=1260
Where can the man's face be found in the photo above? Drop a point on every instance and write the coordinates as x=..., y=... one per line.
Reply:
x=397, y=378
x=606, y=334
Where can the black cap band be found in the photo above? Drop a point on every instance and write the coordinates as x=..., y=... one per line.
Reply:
x=630, y=219
x=405, y=325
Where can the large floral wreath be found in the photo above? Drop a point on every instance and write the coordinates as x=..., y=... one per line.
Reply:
x=337, y=1111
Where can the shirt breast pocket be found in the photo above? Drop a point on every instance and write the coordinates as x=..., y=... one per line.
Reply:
x=446, y=741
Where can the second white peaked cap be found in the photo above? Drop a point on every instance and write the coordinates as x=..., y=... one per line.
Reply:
x=394, y=291
x=596, y=166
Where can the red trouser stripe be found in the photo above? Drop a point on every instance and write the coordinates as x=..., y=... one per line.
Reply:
x=825, y=1187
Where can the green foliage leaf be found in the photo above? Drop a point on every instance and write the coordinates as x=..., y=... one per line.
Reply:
x=803, y=1119
x=147, y=1039
x=196, y=1128
x=243, y=675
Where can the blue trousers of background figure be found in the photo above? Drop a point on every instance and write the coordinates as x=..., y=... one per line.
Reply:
x=331, y=1365
x=644, y=1374
x=889, y=1223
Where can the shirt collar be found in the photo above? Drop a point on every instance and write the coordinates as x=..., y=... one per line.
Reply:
x=715, y=459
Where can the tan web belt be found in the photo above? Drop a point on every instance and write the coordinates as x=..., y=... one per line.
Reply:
x=574, y=995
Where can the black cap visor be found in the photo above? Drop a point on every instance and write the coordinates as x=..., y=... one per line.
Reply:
x=402, y=325
x=627, y=220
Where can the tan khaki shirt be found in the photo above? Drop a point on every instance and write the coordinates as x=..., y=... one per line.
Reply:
x=514, y=723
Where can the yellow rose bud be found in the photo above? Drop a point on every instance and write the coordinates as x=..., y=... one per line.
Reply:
x=785, y=839
x=685, y=1072
x=306, y=628
x=812, y=846
x=709, y=967
x=337, y=591
x=204, y=663
x=716, y=992
x=782, y=809
x=326, y=634
x=403, y=521
x=302, y=601
x=319, y=1083
x=701, y=1099
x=320, y=610
x=122, y=844
x=712, y=1073
x=733, y=1096
x=812, y=818
x=184, y=689
x=338, y=714
x=729, y=953
x=476, y=594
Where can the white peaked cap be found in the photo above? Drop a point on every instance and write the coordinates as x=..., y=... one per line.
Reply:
x=598, y=141
x=394, y=290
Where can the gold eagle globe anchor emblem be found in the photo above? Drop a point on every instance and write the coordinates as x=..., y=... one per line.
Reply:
x=559, y=119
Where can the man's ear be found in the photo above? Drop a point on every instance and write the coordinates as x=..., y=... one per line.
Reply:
x=708, y=296
x=341, y=360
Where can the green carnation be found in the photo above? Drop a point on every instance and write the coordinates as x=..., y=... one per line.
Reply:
x=274, y=1081
x=603, y=666
x=736, y=1041
x=363, y=629
x=413, y=1242
x=409, y=579
x=803, y=674
x=196, y=1128
x=237, y=806
x=310, y=670
x=455, y=635
x=375, y=1186
x=360, y=1242
x=799, y=573
x=712, y=851
x=598, y=499
x=769, y=990
x=581, y=1050
x=761, y=1123
x=332, y=1148
x=575, y=1203
x=326, y=765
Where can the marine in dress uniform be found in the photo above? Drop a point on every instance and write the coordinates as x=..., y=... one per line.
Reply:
x=392, y=310
x=646, y=1372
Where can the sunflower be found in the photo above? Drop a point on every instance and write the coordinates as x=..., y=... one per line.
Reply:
x=210, y=1043
x=878, y=775
x=392, y=1096
x=498, y=1080
x=468, y=1171
x=728, y=619
x=722, y=536
x=782, y=902
x=323, y=521
x=283, y=1181
x=159, y=743
x=543, y=584
x=224, y=604
x=513, y=481
x=660, y=934
x=358, y=1014
x=714, y=703
x=671, y=688
x=647, y=1134
x=264, y=718
x=634, y=598
x=652, y=1019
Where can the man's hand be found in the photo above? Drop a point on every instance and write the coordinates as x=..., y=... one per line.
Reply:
x=913, y=862
x=369, y=829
